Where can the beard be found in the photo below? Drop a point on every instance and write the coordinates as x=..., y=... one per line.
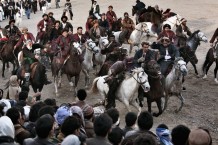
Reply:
x=29, y=47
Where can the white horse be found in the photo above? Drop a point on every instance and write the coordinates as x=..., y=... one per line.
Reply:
x=173, y=81
x=173, y=21
x=87, y=64
x=127, y=89
x=100, y=58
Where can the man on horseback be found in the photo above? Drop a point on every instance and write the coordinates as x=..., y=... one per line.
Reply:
x=103, y=22
x=12, y=29
x=214, y=43
x=168, y=33
x=29, y=58
x=140, y=6
x=96, y=32
x=66, y=25
x=127, y=27
x=42, y=27
x=115, y=78
x=182, y=31
x=24, y=37
x=168, y=53
x=111, y=16
x=79, y=36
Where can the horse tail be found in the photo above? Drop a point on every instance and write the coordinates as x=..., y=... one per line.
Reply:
x=94, y=88
x=207, y=59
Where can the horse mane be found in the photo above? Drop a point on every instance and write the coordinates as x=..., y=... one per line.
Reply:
x=193, y=34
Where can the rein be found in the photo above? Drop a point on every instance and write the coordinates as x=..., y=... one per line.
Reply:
x=141, y=83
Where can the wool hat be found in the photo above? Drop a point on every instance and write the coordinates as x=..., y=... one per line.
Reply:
x=87, y=110
x=62, y=113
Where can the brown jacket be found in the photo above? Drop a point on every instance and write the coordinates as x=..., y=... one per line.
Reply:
x=128, y=24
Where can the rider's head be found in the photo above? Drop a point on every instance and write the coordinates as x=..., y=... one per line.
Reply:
x=103, y=15
x=166, y=27
x=96, y=23
x=12, y=22
x=29, y=44
x=65, y=32
x=57, y=23
x=165, y=41
x=24, y=30
x=183, y=21
x=95, y=2
x=50, y=14
x=110, y=8
x=126, y=15
x=145, y=46
x=64, y=19
x=79, y=30
x=112, y=38
x=45, y=17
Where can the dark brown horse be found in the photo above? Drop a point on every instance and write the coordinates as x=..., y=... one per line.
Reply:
x=156, y=92
x=71, y=67
x=7, y=53
x=116, y=26
x=208, y=62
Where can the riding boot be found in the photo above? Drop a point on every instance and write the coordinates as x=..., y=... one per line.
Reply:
x=113, y=84
x=141, y=96
x=46, y=81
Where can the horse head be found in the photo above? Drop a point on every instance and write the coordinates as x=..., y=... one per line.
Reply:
x=142, y=79
x=180, y=65
x=152, y=68
x=134, y=9
x=76, y=48
x=202, y=37
x=103, y=42
x=92, y=47
x=143, y=27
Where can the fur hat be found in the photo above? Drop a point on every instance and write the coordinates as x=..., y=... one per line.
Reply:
x=110, y=6
x=11, y=21
x=44, y=15
x=166, y=25
x=64, y=17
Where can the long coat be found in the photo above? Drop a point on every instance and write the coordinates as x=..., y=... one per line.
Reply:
x=149, y=56
x=68, y=26
x=81, y=40
x=23, y=39
x=93, y=35
x=42, y=25
x=64, y=44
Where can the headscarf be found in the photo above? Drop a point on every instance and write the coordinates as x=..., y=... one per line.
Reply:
x=71, y=140
x=77, y=110
x=6, y=127
x=164, y=136
x=62, y=113
x=13, y=81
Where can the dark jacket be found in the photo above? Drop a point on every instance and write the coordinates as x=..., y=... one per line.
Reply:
x=140, y=5
x=180, y=29
x=149, y=56
x=93, y=35
x=12, y=31
x=55, y=33
x=37, y=141
x=215, y=35
x=117, y=67
x=29, y=53
x=172, y=50
x=68, y=26
x=97, y=9
x=98, y=141
x=104, y=24
x=7, y=140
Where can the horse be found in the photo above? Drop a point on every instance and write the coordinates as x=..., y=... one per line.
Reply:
x=71, y=67
x=116, y=26
x=127, y=88
x=156, y=92
x=173, y=82
x=208, y=62
x=188, y=52
x=8, y=54
x=87, y=64
x=173, y=21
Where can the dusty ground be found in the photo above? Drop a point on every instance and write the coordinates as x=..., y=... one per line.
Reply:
x=200, y=107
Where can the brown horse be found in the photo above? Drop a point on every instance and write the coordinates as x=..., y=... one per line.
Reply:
x=208, y=62
x=7, y=53
x=71, y=67
x=156, y=92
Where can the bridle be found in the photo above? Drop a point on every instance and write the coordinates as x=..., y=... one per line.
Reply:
x=91, y=48
x=136, y=79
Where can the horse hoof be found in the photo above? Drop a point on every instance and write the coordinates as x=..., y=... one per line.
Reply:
x=205, y=76
x=57, y=94
x=155, y=114
x=216, y=81
x=86, y=87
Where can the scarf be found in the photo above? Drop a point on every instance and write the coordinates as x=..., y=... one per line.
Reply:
x=164, y=136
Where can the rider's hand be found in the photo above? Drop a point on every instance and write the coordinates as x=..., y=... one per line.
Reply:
x=141, y=59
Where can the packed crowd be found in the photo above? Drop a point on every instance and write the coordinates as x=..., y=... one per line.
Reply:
x=30, y=121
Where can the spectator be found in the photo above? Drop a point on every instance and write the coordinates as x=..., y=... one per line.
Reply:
x=180, y=135
x=62, y=113
x=88, y=113
x=114, y=114
x=163, y=134
x=145, y=139
x=30, y=101
x=71, y=140
x=27, y=7
x=81, y=94
x=46, y=110
x=116, y=136
x=102, y=126
x=130, y=120
x=14, y=88
x=7, y=132
x=20, y=132
x=199, y=137
x=44, y=130
x=18, y=17
x=71, y=125
x=51, y=102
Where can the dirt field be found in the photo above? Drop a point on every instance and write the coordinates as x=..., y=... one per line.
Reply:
x=200, y=107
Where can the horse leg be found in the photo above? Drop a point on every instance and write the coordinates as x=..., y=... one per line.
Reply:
x=215, y=72
x=126, y=103
x=131, y=47
x=158, y=102
x=136, y=105
x=76, y=82
x=149, y=104
x=86, y=77
x=207, y=69
x=166, y=98
x=59, y=78
x=56, y=85
x=196, y=72
x=3, y=69
x=182, y=102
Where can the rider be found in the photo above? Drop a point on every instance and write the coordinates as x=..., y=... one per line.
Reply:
x=24, y=37
x=112, y=44
x=182, y=31
x=168, y=33
x=68, y=7
x=89, y=24
x=214, y=43
x=66, y=25
x=127, y=27
x=12, y=29
x=30, y=58
x=95, y=10
x=42, y=27
x=141, y=57
x=111, y=16
x=56, y=31
x=51, y=18
x=114, y=79
x=79, y=36
x=103, y=22
x=168, y=53
x=96, y=32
